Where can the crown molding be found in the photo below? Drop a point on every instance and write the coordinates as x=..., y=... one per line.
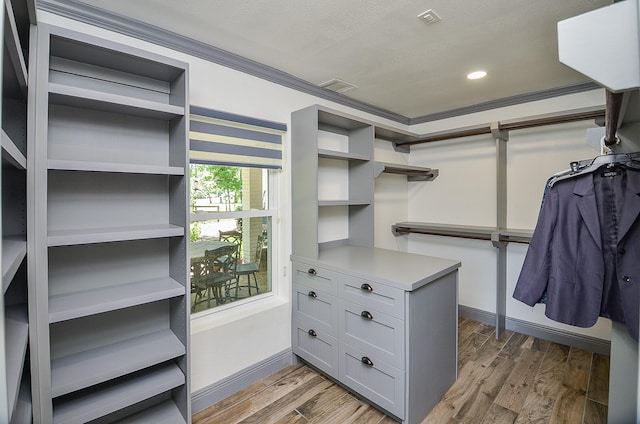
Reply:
x=126, y=26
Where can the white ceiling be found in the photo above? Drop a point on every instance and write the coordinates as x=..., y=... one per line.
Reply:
x=398, y=62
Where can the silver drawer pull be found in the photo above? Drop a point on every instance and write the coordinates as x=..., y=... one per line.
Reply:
x=366, y=361
x=366, y=287
x=366, y=315
x=312, y=333
x=312, y=294
x=312, y=271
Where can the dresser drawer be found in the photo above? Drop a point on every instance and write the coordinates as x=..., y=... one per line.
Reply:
x=372, y=295
x=373, y=332
x=318, y=308
x=315, y=346
x=372, y=378
x=320, y=279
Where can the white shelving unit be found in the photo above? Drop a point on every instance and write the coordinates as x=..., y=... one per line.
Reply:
x=15, y=391
x=110, y=246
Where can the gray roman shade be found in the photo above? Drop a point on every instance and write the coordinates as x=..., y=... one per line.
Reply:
x=221, y=138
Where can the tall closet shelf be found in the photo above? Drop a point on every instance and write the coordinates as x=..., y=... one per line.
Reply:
x=118, y=395
x=14, y=250
x=107, y=235
x=348, y=202
x=413, y=173
x=64, y=307
x=17, y=330
x=91, y=367
x=334, y=154
x=11, y=152
x=131, y=168
x=14, y=50
x=107, y=102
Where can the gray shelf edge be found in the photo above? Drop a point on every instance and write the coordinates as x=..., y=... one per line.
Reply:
x=97, y=301
x=12, y=42
x=163, y=413
x=17, y=332
x=85, y=369
x=74, y=96
x=107, y=235
x=118, y=396
x=350, y=202
x=13, y=253
x=413, y=173
x=130, y=168
x=14, y=154
x=334, y=154
x=22, y=412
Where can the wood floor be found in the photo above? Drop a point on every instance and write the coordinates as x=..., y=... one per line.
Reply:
x=517, y=379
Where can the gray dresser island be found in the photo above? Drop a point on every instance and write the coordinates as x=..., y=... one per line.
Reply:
x=382, y=323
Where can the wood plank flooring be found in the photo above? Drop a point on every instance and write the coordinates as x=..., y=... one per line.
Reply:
x=517, y=379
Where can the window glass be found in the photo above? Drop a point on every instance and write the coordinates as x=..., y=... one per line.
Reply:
x=230, y=235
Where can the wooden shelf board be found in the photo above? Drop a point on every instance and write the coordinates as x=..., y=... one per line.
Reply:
x=14, y=250
x=91, y=99
x=163, y=413
x=11, y=152
x=106, y=235
x=90, y=302
x=352, y=202
x=131, y=168
x=16, y=340
x=333, y=154
x=85, y=369
x=119, y=395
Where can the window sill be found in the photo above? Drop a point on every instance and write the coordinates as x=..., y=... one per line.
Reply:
x=217, y=318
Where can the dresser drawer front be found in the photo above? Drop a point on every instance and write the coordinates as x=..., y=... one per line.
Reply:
x=318, y=348
x=319, y=309
x=371, y=331
x=386, y=299
x=320, y=279
x=379, y=382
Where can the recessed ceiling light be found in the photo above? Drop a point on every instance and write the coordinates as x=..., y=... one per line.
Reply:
x=476, y=75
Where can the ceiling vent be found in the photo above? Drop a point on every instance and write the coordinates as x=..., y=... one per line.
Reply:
x=429, y=17
x=338, y=85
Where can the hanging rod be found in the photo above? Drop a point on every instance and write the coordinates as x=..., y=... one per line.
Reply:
x=514, y=124
x=612, y=117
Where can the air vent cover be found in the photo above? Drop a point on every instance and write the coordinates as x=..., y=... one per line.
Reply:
x=338, y=85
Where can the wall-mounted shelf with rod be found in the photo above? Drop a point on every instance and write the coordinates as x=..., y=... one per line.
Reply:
x=413, y=173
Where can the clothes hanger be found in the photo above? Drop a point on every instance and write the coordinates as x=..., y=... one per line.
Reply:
x=578, y=168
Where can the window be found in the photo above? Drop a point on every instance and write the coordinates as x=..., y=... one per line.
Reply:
x=233, y=162
x=229, y=208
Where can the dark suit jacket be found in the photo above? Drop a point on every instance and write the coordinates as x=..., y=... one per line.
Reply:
x=565, y=257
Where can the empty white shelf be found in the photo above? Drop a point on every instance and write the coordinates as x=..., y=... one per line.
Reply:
x=333, y=154
x=85, y=369
x=131, y=168
x=106, y=235
x=163, y=413
x=12, y=153
x=80, y=304
x=17, y=336
x=413, y=173
x=111, y=398
x=14, y=250
x=108, y=102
